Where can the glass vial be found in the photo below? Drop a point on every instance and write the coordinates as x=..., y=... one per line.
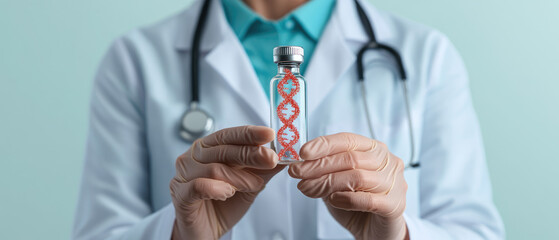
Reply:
x=288, y=98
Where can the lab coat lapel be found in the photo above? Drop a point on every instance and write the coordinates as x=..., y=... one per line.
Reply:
x=331, y=59
x=230, y=60
x=223, y=52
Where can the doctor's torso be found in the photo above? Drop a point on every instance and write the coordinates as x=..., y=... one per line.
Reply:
x=156, y=62
x=231, y=93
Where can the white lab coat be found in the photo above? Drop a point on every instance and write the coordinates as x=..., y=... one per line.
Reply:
x=143, y=87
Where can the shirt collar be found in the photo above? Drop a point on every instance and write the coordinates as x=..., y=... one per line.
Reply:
x=239, y=16
x=312, y=16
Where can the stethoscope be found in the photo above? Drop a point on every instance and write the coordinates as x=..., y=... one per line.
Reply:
x=197, y=123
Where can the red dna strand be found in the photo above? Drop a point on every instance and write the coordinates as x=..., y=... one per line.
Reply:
x=288, y=117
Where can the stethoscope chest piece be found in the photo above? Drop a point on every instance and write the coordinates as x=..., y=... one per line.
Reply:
x=196, y=123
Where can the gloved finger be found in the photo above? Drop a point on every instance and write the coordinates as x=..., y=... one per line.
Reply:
x=189, y=197
x=337, y=143
x=387, y=204
x=242, y=180
x=258, y=157
x=376, y=203
x=339, y=162
x=244, y=135
x=351, y=180
x=188, y=193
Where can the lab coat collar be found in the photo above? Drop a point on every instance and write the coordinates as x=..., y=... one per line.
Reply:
x=351, y=24
x=335, y=53
x=213, y=31
x=220, y=48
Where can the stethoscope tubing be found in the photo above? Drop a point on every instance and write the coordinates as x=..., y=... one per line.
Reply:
x=373, y=45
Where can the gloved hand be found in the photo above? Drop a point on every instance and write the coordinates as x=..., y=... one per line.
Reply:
x=218, y=178
x=360, y=181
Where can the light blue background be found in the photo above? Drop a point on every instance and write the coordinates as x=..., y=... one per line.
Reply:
x=49, y=51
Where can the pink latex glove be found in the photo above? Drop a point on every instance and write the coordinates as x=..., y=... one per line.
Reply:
x=360, y=181
x=218, y=178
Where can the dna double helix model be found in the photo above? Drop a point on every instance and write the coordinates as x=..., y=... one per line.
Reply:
x=287, y=117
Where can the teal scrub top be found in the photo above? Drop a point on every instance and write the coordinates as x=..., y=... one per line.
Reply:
x=302, y=27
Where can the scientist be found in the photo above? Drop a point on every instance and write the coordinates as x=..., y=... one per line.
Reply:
x=178, y=143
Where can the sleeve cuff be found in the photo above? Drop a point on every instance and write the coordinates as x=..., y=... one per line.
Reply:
x=158, y=225
x=166, y=223
x=419, y=229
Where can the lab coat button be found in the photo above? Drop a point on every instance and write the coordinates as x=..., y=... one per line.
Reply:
x=277, y=236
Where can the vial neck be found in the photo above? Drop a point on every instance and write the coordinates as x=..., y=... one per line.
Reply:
x=293, y=67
